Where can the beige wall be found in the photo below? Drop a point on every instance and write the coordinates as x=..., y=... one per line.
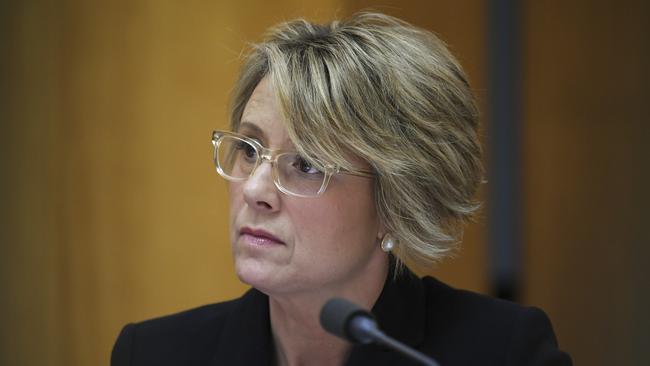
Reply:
x=112, y=211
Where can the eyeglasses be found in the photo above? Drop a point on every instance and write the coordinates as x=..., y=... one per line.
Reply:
x=236, y=157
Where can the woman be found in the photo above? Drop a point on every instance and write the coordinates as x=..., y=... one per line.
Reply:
x=353, y=150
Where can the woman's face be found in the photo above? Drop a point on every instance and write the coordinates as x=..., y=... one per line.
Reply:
x=284, y=244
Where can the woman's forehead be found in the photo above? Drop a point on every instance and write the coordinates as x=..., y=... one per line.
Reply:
x=263, y=119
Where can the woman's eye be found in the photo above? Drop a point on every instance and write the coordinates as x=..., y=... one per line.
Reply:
x=304, y=166
x=248, y=149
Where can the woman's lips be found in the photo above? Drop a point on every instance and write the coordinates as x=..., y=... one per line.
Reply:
x=259, y=237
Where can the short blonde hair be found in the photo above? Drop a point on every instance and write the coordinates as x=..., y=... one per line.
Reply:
x=392, y=94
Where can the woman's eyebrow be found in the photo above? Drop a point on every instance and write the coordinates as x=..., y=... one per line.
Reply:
x=253, y=129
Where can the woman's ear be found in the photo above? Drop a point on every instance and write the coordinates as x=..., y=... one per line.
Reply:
x=381, y=230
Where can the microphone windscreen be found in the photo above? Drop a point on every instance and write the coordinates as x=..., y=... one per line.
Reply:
x=336, y=314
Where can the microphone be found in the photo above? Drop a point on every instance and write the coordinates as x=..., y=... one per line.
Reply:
x=354, y=324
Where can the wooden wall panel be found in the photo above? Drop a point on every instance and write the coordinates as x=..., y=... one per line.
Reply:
x=586, y=175
x=29, y=277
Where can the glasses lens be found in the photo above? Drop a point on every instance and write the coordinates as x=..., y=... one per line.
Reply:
x=299, y=176
x=235, y=157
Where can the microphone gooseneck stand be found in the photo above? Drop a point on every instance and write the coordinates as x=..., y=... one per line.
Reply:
x=350, y=322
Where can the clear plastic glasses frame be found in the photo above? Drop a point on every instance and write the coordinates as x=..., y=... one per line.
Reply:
x=302, y=184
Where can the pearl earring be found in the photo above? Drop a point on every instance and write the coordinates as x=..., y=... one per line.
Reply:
x=387, y=243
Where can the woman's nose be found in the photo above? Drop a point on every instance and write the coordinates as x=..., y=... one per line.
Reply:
x=260, y=191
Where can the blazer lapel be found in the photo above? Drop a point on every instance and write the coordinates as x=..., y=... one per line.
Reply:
x=246, y=336
x=400, y=312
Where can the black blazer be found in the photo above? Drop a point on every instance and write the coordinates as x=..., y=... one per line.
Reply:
x=455, y=327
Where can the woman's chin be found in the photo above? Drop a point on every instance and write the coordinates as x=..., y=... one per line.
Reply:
x=254, y=273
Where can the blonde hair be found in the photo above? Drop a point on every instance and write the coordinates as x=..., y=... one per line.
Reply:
x=392, y=94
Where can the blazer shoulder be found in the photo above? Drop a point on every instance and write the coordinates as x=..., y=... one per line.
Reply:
x=166, y=340
x=464, y=303
x=188, y=320
x=496, y=329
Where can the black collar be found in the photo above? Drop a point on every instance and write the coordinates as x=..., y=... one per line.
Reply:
x=246, y=336
x=400, y=311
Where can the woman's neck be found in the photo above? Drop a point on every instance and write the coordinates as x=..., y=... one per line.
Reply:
x=299, y=339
